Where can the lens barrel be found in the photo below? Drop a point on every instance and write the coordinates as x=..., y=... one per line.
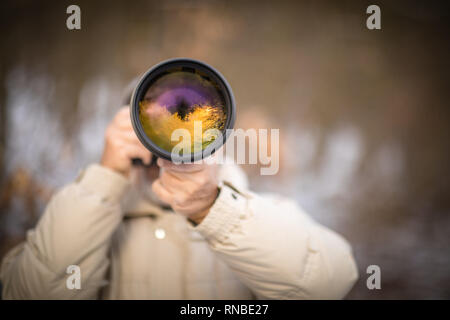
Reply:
x=175, y=94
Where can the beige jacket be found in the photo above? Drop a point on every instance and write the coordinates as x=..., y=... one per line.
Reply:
x=248, y=246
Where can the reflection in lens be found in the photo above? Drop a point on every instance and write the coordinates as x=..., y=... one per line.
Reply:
x=178, y=99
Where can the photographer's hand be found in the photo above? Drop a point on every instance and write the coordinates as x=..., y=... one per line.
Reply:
x=190, y=189
x=122, y=144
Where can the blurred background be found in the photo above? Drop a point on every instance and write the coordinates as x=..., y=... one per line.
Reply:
x=363, y=114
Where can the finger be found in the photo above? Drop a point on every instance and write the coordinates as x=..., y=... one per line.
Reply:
x=123, y=112
x=129, y=136
x=162, y=193
x=125, y=134
x=180, y=168
x=170, y=181
x=124, y=123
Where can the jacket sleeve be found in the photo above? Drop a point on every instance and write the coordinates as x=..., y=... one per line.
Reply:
x=75, y=229
x=276, y=249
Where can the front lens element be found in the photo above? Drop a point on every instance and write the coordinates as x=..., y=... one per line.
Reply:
x=182, y=98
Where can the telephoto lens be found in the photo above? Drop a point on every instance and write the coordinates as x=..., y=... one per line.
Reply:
x=181, y=110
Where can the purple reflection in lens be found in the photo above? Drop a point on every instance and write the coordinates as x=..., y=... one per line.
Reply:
x=189, y=95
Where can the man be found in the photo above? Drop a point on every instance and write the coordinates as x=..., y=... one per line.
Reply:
x=190, y=231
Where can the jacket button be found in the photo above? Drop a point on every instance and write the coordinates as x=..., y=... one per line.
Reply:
x=160, y=233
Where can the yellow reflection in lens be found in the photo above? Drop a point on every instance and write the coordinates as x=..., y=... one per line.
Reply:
x=159, y=123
